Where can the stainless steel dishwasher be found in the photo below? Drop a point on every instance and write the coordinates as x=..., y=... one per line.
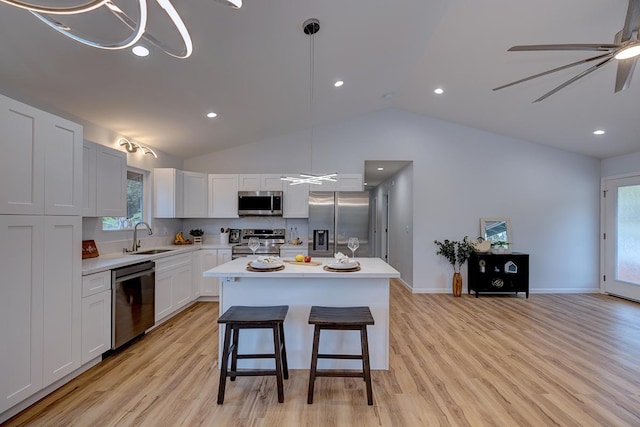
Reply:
x=132, y=302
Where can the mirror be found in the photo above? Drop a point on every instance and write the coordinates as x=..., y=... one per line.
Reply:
x=496, y=229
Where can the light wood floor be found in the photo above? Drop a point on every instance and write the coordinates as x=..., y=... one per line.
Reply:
x=551, y=360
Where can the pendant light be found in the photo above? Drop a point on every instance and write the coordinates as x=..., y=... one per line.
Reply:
x=310, y=28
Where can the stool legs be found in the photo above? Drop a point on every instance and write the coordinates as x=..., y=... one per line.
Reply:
x=365, y=363
x=314, y=363
x=285, y=365
x=225, y=364
x=234, y=352
x=278, y=354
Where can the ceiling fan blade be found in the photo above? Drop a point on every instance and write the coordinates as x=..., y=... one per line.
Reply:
x=631, y=21
x=572, y=46
x=625, y=73
x=564, y=67
x=573, y=79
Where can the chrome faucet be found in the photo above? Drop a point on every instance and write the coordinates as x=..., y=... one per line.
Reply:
x=136, y=242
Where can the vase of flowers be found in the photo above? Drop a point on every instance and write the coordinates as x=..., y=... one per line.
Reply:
x=457, y=253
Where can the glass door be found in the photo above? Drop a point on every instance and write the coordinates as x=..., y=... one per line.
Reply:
x=622, y=237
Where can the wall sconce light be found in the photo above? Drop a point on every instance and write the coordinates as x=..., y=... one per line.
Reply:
x=132, y=147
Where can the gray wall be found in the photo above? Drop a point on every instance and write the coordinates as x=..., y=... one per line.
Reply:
x=460, y=174
x=621, y=165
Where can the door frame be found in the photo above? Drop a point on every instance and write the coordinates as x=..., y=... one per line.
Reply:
x=603, y=224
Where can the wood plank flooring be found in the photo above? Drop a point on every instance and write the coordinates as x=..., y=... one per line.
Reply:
x=551, y=360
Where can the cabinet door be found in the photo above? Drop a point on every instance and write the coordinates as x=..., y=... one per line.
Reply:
x=167, y=193
x=271, y=182
x=89, y=179
x=223, y=196
x=248, y=182
x=21, y=260
x=62, y=140
x=62, y=296
x=163, y=294
x=96, y=325
x=349, y=182
x=22, y=160
x=181, y=285
x=194, y=194
x=224, y=255
x=208, y=260
x=111, y=182
x=296, y=201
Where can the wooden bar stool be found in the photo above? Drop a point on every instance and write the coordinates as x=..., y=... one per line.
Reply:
x=240, y=317
x=343, y=319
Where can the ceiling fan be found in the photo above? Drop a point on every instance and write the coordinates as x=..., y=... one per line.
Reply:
x=625, y=50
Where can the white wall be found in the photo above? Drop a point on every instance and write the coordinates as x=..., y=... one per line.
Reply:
x=399, y=189
x=460, y=175
x=621, y=165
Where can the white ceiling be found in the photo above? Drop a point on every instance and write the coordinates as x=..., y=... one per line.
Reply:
x=251, y=66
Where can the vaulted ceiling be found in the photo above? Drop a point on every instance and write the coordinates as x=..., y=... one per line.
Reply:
x=251, y=66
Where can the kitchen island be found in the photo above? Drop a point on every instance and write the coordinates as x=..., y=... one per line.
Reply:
x=301, y=286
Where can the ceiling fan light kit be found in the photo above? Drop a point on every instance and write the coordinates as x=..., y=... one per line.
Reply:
x=138, y=28
x=625, y=50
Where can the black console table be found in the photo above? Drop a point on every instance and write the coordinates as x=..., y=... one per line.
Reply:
x=498, y=273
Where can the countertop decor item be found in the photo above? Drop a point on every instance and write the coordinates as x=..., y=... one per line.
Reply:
x=197, y=234
x=457, y=253
x=89, y=249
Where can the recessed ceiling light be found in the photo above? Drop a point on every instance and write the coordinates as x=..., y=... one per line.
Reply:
x=140, y=51
x=212, y=115
x=338, y=83
x=380, y=169
x=599, y=132
x=438, y=91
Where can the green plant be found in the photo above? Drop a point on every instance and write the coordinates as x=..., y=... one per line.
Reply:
x=499, y=243
x=456, y=252
x=196, y=232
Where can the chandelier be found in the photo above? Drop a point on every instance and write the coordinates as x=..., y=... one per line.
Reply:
x=310, y=28
x=138, y=27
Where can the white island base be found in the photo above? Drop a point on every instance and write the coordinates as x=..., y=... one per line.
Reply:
x=300, y=287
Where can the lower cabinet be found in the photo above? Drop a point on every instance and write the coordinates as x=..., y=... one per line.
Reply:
x=498, y=273
x=207, y=259
x=291, y=251
x=96, y=315
x=40, y=303
x=173, y=284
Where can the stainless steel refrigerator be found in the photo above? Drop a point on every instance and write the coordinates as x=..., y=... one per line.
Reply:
x=336, y=216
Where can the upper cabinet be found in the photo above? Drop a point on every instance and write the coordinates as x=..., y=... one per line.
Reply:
x=263, y=182
x=223, y=196
x=178, y=194
x=295, y=200
x=194, y=191
x=42, y=162
x=104, y=184
x=344, y=182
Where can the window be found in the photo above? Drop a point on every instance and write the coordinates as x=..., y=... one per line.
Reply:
x=135, y=199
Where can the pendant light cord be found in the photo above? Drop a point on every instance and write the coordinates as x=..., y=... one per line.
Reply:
x=311, y=79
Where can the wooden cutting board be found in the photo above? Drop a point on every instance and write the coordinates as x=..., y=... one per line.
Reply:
x=89, y=249
x=291, y=261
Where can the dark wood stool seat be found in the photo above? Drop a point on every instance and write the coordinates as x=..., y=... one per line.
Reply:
x=344, y=319
x=241, y=317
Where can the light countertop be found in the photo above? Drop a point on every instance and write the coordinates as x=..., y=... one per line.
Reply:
x=115, y=260
x=369, y=268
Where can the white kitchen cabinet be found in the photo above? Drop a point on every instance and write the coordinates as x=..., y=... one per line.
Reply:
x=173, y=284
x=195, y=194
x=104, y=183
x=260, y=182
x=223, y=196
x=39, y=302
x=207, y=259
x=21, y=307
x=96, y=315
x=344, y=182
x=179, y=194
x=96, y=325
x=291, y=251
x=167, y=197
x=41, y=165
x=62, y=296
x=295, y=200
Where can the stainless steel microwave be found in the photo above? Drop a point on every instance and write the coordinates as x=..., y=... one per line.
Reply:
x=260, y=203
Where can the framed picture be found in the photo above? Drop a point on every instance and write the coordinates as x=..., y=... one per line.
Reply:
x=496, y=230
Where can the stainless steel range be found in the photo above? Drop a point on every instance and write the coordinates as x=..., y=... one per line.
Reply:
x=270, y=242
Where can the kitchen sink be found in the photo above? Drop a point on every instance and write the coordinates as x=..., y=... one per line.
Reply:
x=151, y=252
